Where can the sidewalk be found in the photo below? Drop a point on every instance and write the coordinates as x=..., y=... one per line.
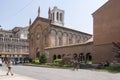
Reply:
x=3, y=76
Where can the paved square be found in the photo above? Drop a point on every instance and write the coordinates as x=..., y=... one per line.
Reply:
x=41, y=73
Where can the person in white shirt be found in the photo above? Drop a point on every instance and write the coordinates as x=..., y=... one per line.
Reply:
x=9, y=66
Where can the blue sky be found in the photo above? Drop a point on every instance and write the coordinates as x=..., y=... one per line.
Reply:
x=77, y=12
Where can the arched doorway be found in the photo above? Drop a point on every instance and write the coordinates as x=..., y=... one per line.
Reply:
x=81, y=57
x=59, y=56
x=88, y=58
x=37, y=53
x=54, y=57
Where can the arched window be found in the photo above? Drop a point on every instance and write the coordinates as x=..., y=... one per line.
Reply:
x=57, y=16
x=70, y=38
x=44, y=33
x=53, y=38
x=78, y=39
x=53, y=17
x=65, y=39
x=60, y=16
x=74, y=39
x=59, y=41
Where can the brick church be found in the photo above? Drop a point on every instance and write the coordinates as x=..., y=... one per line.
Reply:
x=50, y=36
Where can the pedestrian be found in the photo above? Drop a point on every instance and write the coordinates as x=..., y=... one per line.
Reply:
x=9, y=66
x=76, y=65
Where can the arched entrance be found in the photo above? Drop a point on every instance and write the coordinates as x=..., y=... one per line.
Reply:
x=88, y=58
x=59, y=56
x=81, y=57
x=54, y=57
x=37, y=53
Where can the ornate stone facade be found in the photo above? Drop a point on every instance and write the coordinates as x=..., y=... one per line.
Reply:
x=12, y=45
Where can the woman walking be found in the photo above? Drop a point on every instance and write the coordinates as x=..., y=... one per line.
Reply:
x=9, y=66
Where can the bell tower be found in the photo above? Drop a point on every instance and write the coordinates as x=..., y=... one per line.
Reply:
x=57, y=16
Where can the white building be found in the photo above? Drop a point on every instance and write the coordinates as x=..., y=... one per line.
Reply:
x=14, y=43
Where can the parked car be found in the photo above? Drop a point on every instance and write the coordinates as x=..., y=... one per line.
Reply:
x=0, y=62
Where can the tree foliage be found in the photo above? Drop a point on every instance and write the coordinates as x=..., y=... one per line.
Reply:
x=43, y=59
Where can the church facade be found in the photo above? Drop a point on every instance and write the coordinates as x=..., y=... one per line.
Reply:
x=49, y=36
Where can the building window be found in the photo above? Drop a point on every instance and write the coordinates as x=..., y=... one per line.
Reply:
x=60, y=16
x=57, y=16
x=70, y=40
x=78, y=40
x=60, y=41
x=1, y=35
x=53, y=17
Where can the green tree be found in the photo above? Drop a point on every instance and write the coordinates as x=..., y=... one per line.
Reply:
x=43, y=58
